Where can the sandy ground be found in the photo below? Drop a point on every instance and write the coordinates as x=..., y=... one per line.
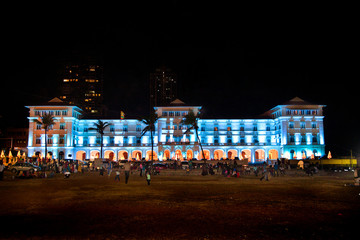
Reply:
x=180, y=206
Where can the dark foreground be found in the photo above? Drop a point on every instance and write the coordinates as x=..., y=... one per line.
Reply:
x=89, y=206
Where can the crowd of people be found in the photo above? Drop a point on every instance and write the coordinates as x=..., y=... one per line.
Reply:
x=264, y=171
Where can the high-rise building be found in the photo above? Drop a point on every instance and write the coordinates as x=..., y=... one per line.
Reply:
x=163, y=87
x=82, y=85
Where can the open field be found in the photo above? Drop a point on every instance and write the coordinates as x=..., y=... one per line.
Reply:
x=89, y=206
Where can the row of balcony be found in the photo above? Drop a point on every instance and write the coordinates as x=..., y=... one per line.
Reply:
x=174, y=143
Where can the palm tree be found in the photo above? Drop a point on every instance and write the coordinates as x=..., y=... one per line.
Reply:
x=191, y=120
x=47, y=121
x=150, y=123
x=100, y=128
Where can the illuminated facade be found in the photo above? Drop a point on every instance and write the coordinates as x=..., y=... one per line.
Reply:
x=293, y=130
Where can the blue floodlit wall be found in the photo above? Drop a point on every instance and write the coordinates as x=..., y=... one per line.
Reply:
x=289, y=131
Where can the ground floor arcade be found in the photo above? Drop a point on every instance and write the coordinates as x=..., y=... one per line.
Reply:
x=163, y=152
x=182, y=152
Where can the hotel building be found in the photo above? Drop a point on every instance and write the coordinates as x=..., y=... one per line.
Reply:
x=292, y=130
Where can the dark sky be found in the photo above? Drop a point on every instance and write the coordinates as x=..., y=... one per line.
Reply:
x=234, y=61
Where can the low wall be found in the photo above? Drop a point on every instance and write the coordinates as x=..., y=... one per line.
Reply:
x=345, y=162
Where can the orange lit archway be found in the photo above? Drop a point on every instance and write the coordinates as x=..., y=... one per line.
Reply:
x=206, y=153
x=80, y=155
x=148, y=155
x=109, y=155
x=166, y=155
x=94, y=154
x=178, y=155
x=189, y=154
x=246, y=154
x=259, y=155
x=123, y=155
x=136, y=155
x=273, y=154
x=218, y=154
x=232, y=154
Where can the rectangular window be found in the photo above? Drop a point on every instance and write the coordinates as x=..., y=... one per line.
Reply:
x=62, y=126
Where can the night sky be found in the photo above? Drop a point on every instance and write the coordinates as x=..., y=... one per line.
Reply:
x=234, y=61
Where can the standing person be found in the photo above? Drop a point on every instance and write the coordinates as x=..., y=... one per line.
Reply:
x=256, y=171
x=127, y=167
x=148, y=177
x=109, y=169
x=141, y=169
x=265, y=175
x=276, y=169
x=117, y=176
x=2, y=168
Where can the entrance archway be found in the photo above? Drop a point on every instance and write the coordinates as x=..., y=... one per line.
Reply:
x=206, y=153
x=273, y=154
x=218, y=154
x=80, y=155
x=303, y=154
x=189, y=154
x=122, y=155
x=148, y=156
x=166, y=154
x=109, y=155
x=259, y=155
x=232, y=154
x=246, y=154
x=292, y=154
x=136, y=155
x=178, y=155
x=38, y=154
x=62, y=154
x=94, y=154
